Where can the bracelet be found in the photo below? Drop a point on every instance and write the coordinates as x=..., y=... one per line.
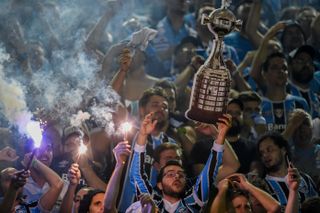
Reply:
x=33, y=163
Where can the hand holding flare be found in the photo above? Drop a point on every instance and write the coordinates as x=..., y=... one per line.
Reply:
x=35, y=132
x=125, y=128
x=82, y=150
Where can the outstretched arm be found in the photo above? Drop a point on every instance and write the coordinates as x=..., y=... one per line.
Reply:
x=97, y=33
x=296, y=119
x=219, y=204
x=230, y=162
x=294, y=179
x=48, y=199
x=210, y=171
x=138, y=170
x=8, y=154
x=119, y=78
x=121, y=153
x=240, y=83
x=266, y=200
x=262, y=52
x=253, y=22
x=18, y=180
x=185, y=76
x=89, y=174
x=74, y=176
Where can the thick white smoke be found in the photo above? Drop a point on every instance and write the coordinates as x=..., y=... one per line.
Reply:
x=68, y=80
x=12, y=98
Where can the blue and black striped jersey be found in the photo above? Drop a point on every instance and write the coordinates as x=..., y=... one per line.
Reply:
x=127, y=196
x=277, y=113
x=196, y=197
x=309, y=96
x=279, y=189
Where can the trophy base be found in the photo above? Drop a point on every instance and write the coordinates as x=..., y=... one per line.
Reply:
x=203, y=116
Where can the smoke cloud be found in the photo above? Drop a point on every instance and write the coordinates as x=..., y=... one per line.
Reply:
x=68, y=79
x=13, y=104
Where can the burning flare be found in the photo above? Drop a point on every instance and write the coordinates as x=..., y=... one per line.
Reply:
x=35, y=132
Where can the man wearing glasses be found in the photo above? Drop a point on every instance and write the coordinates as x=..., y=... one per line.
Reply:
x=172, y=178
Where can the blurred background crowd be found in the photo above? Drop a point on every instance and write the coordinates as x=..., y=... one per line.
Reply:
x=83, y=68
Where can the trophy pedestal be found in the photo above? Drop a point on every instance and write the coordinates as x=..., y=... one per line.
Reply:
x=203, y=115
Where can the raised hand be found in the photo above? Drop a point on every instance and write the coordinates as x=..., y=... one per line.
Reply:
x=294, y=178
x=224, y=124
x=296, y=118
x=147, y=204
x=27, y=158
x=197, y=61
x=113, y=6
x=207, y=129
x=121, y=152
x=125, y=59
x=19, y=179
x=274, y=30
x=148, y=124
x=8, y=154
x=74, y=174
x=224, y=184
x=239, y=181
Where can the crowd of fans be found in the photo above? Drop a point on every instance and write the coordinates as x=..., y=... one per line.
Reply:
x=263, y=155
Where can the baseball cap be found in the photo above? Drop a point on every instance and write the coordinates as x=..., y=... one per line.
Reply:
x=71, y=130
x=304, y=48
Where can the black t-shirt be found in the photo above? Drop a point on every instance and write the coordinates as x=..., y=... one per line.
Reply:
x=61, y=166
x=245, y=150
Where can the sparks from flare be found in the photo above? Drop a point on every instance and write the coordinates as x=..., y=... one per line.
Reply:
x=81, y=150
x=35, y=132
x=125, y=128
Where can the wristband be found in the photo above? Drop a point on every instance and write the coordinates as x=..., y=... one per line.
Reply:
x=33, y=163
x=217, y=147
x=139, y=148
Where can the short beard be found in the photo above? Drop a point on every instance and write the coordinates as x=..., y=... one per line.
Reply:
x=160, y=125
x=274, y=168
x=167, y=191
x=235, y=129
x=302, y=77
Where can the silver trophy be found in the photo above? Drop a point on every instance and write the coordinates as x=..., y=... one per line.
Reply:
x=212, y=81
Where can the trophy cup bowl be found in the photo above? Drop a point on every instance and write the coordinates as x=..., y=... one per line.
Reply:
x=212, y=82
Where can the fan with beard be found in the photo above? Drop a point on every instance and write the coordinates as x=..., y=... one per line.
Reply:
x=168, y=191
x=161, y=120
x=275, y=167
x=235, y=128
x=303, y=76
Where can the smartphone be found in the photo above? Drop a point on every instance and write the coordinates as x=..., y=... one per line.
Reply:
x=234, y=178
x=288, y=161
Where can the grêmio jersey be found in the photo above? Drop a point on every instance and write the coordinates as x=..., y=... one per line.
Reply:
x=195, y=198
x=277, y=113
x=127, y=196
x=309, y=95
x=279, y=190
